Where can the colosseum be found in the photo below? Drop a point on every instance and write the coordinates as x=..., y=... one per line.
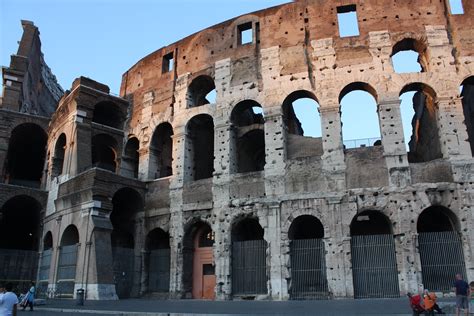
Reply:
x=160, y=192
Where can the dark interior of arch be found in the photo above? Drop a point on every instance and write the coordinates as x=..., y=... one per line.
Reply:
x=306, y=227
x=201, y=135
x=48, y=241
x=424, y=143
x=467, y=95
x=58, y=158
x=26, y=155
x=107, y=113
x=413, y=45
x=243, y=114
x=292, y=123
x=199, y=88
x=104, y=152
x=206, y=237
x=251, y=151
x=131, y=158
x=436, y=219
x=247, y=229
x=157, y=239
x=70, y=236
x=370, y=223
x=19, y=223
x=125, y=204
x=161, y=148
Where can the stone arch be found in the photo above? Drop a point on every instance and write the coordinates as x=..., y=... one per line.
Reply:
x=467, y=95
x=424, y=144
x=370, y=222
x=161, y=152
x=45, y=263
x=417, y=47
x=440, y=248
x=157, y=261
x=131, y=157
x=201, y=91
x=199, y=159
x=48, y=240
x=307, y=259
x=109, y=114
x=58, y=158
x=26, y=155
x=198, y=261
x=104, y=152
x=248, y=137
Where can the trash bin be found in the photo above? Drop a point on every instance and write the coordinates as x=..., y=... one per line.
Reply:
x=80, y=297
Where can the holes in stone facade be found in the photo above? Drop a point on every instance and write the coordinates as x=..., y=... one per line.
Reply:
x=26, y=155
x=248, y=137
x=202, y=90
x=456, y=7
x=130, y=158
x=347, y=21
x=161, y=152
x=199, y=159
x=467, y=94
x=409, y=55
x=104, y=152
x=424, y=142
x=245, y=33
x=168, y=63
x=58, y=158
x=109, y=114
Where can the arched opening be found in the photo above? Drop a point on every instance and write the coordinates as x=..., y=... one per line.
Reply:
x=126, y=204
x=202, y=90
x=307, y=257
x=374, y=263
x=409, y=55
x=467, y=94
x=26, y=154
x=359, y=117
x=440, y=247
x=19, y=230
x=248, y=137
x=161, y=152
x=200, y=147
x=67, y=262
x=249, y=260
x=199, y=277
x=418, y=103
x=58, y=158
x=158, y=263
x=44, y=266
x=131, y=158
x=104, y=152
x=108, y=113
x=303, y=124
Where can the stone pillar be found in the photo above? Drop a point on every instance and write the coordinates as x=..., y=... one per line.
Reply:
x=452, y=130
x=144, y=172
x=273, y=237
x=391, y=130
x=274, y=152
x=81, y=149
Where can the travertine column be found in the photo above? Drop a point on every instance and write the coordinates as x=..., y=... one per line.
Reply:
x=274, y=152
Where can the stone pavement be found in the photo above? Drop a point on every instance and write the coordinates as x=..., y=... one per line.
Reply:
x=146, y=307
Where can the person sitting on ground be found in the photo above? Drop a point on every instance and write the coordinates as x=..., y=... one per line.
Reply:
x=415, y=304
x=429, y=300
x=8, y=301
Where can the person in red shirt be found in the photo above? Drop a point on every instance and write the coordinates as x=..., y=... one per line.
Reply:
x=415, y=304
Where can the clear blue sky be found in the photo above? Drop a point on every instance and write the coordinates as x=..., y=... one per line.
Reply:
x=101, y=39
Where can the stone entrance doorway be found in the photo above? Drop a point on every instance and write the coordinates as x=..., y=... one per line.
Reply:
x=204, y=277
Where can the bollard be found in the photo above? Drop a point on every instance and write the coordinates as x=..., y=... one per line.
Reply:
x=80, y=297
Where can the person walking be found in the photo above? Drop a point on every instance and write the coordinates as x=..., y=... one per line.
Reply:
x=8, y=301
x=471, y=296
x=462, y=290
x=29, y=298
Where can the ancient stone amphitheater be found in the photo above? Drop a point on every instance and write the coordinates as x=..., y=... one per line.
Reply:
x=161, y=192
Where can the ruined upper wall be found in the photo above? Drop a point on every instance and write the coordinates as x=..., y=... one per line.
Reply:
x=28, y=84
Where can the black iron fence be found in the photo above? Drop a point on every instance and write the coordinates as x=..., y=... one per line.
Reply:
x=249, y=267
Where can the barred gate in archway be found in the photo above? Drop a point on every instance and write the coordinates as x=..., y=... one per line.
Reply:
x=308, y=269
x=249, y=267
x=441, y=256
x=18, y=267
x=374, y=266
x=159, y=272
x=66, y=271
x=123, y=270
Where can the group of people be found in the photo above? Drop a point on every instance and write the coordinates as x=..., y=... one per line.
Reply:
x=427, y=304
x=9, y=300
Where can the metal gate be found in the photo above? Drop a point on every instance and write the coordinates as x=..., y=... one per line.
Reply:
x=308, y=270
x=18, y=267
x=123, y=270
x=43, y=274
x=66, y=271
x=441, y=256
x=374, y=266
x=159, y=271
x=249, y=267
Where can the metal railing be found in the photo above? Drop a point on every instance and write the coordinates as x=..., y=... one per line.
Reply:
x=362, y=142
